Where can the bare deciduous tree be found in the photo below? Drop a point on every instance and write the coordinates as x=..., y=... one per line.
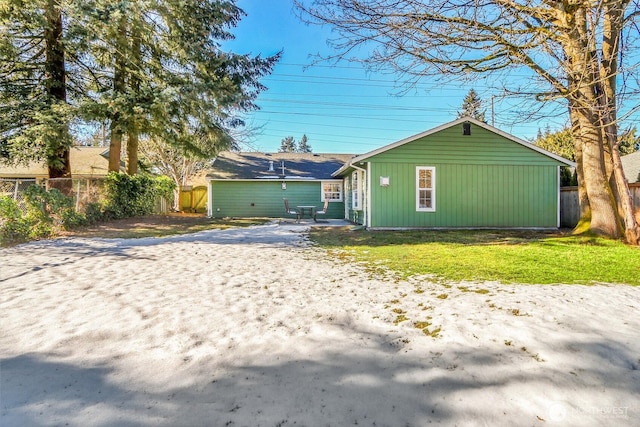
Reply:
x=574, y=49
x=173, y=162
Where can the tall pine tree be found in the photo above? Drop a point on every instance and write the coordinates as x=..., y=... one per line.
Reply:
x=472, y=106
x=34, y=110
x=303, y=145
x=152, y=68
x=170, y=78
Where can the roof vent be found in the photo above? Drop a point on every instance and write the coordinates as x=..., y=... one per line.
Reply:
x=466, y=128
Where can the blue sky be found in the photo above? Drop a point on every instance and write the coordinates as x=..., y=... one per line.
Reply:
x=343, y=108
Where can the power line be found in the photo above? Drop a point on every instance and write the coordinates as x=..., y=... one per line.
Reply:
x=351, y=105
x=339, y=116
x=313, y=141
x=315, y=134
x=333, y=125
x=345, y=95
x=364, y=69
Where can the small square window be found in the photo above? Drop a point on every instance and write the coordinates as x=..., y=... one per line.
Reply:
x=331, y=191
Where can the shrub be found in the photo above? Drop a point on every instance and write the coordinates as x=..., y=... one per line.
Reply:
x=13, y=227
x=49, y=211
x=568, y=177
x=93, y=213
x=128, y=196
x=164, y=186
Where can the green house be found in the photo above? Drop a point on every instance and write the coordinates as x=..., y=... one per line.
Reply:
x=463, y=174
x=254, y=184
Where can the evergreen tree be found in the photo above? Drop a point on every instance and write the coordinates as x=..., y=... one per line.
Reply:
x=629, y=142
x=471, y=106
x=560, y=143
x=303, y=145
x=171, y=79
x=287, y=145
x=34, y=109
x=144, y=68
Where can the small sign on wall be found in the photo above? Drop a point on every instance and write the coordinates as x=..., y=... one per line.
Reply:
x=384, y=181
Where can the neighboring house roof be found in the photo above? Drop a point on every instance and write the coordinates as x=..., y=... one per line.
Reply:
x=255, y=165
x=631, y=166
x=497, y=131
x=86, y=162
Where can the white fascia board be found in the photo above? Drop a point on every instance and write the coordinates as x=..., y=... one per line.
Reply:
x=448, y=125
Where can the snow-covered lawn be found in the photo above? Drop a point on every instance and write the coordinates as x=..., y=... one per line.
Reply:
x=255, y=327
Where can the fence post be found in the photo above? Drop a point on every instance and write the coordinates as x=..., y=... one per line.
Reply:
x=15, y=190
x=78, y=196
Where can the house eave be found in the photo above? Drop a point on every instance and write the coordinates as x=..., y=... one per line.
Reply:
x=456, y=122
x=288, y=178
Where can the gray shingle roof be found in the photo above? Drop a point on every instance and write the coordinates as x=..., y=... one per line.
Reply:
x=631, y=166
x=86, y=162
x=256, y=165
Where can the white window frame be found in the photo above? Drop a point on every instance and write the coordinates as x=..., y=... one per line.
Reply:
x=356, y=190
x=337, y=190
x=432, y=169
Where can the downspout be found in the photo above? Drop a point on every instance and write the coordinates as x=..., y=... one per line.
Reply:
x=366, y=207
x=209, y=199
x=210, y=192
x=559, y=199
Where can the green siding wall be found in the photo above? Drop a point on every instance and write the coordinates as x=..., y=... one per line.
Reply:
x=246, y=199
x=468, y=196
x=482, y=180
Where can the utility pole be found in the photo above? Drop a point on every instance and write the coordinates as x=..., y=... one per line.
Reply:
x=493, y=113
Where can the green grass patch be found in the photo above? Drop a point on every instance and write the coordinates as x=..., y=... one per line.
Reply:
x=506, y=256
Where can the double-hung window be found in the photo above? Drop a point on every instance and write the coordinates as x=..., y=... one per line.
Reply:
x=356, y=190
x=332, y=191
x=425, y=189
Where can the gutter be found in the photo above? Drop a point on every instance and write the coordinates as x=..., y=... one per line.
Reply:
x=368, y=198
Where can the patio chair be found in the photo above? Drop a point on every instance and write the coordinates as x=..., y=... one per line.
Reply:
x=324, y=209
x=290, y=211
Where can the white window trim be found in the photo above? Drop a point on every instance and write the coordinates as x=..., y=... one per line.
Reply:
x=338, y=185
x=433, y=188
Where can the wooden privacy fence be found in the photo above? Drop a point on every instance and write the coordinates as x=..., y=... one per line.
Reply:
x=570, y=210
x=193, y=199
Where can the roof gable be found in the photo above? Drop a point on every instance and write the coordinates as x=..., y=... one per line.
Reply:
x=256, y=165
x=447, y=127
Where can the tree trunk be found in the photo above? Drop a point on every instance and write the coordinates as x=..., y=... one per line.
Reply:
x=583, y=200
x=604, y=217
x=581, y=65
x=132, y=147
x=117, y=127
x=612, y=28
x=58, y=160
x=115, y=145
x=133, y=130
